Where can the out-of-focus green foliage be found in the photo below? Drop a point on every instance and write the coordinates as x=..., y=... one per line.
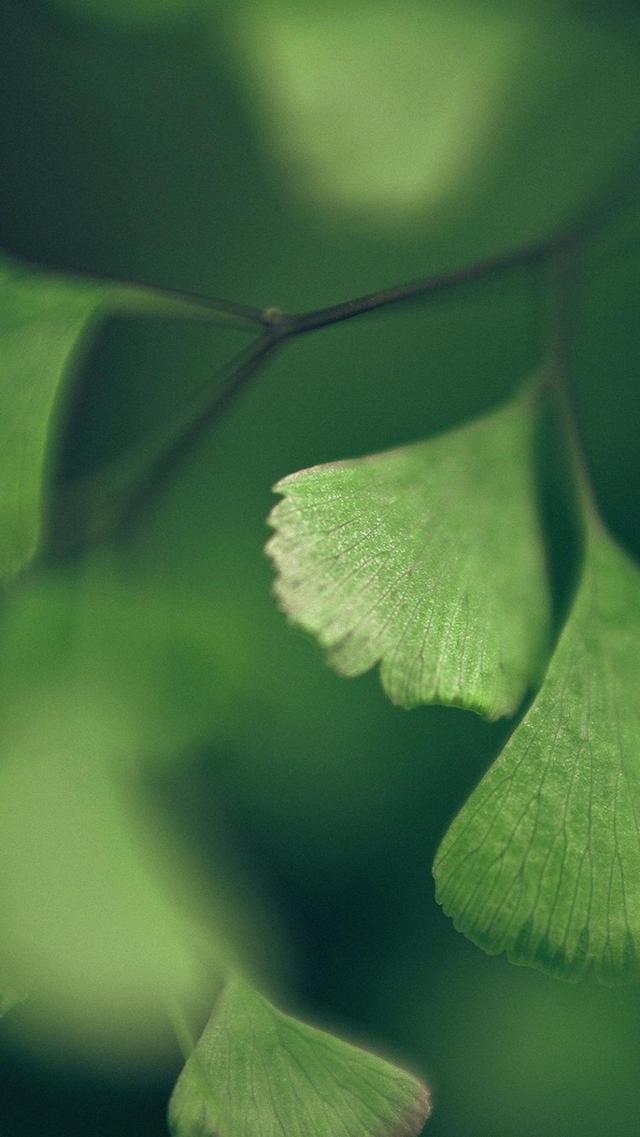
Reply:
x=442, y=110
x=160, y=661
x=107, y=918
x=154, y=150
x=46, y=325
x=43, y=324
x=89, y=931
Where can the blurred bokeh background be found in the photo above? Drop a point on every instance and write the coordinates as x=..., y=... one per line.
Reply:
x=289, y=153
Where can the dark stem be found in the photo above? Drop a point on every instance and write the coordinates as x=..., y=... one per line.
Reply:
x=621, y=191
x=197, y=419
x=174, y=304
x=119, y=509
x=156, y=299
x=467, y=274
x=283, y=325
x=91, y=510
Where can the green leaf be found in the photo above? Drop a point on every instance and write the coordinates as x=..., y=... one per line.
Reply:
x=543, y=861
x=44, y=322
x=107, y=908
x=429, y=559
x=257, y=1072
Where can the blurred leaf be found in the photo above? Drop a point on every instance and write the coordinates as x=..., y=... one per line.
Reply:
x=258, y=1072
x=543, y=861
x=109, y=909
x=156, y=657
x=337, y=84
x=44, y=324
x=496, y=121
x=428, y=559
x=91, y=925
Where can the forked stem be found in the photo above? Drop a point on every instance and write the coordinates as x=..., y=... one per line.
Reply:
x=559, y=251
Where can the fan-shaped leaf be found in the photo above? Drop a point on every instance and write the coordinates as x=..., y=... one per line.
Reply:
x=256, y=1072
x=429, y=559
x=543, y=861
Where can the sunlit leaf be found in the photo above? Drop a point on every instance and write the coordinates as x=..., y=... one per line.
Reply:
x=429, y=559
x=543, y=861
x=257, y=1072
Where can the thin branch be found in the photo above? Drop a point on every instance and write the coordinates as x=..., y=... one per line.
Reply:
x=158, y=300
x=621, y=191
x=282, y=325
x=93, y=509
x=467, y=274
x=142, y=478
x=196, y=420
x=172, y=303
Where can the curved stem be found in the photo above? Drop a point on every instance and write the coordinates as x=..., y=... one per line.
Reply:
x=283, y=325
x=171, y=303
x=93, y=509
x=618, y=194
x=154, y=299
x=196, y=420
x=466, y=274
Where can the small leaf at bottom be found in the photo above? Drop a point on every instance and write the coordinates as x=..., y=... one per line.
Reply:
x=256, y=1072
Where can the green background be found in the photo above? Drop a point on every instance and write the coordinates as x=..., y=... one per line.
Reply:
x=138, y=140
